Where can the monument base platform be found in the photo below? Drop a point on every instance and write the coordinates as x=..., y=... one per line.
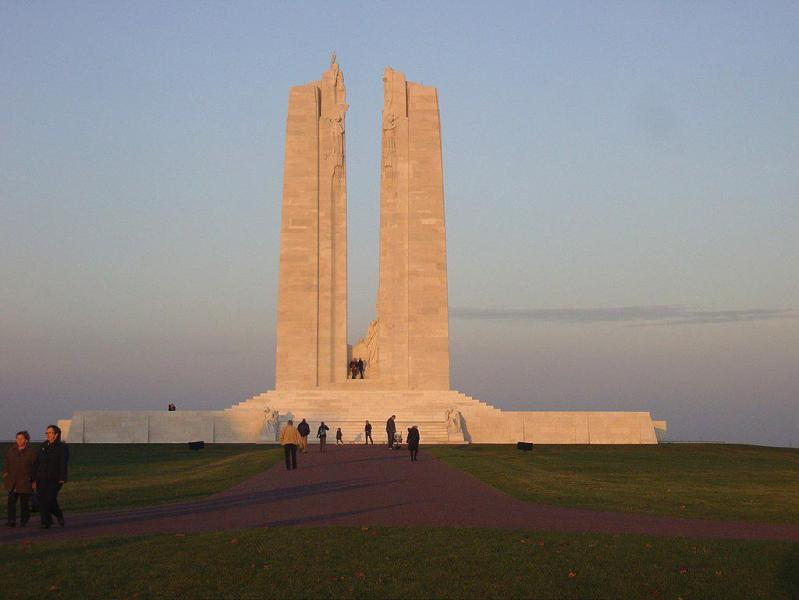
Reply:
x=443, y=417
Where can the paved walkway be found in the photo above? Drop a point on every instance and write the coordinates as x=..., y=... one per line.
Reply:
x=374, y=486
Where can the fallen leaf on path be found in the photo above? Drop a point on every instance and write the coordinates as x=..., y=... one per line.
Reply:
x=683, y=571
x=572, y=574
x=54, y=588
x=234, y=541
x=360, y=574
x=718, y=573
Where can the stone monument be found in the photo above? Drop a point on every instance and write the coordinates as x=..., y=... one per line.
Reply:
x=406, y=347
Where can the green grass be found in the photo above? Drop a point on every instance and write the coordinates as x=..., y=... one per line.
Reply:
x=715, y=481
x=400, y=563
x=104, y=476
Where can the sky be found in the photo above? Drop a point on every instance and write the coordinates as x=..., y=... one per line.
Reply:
x=621, y=190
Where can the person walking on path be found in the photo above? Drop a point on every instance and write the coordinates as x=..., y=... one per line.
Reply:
x=391, y=429
x=339, y=437
x=290, y=439
x=367, y=429
x=50, y=475
x=413, y=442
x=18, y=479
x=354, y=369
x=360, y=367
x=322, y=435
x=304, y=430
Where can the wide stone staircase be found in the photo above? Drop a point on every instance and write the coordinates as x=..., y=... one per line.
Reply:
x=351, y=404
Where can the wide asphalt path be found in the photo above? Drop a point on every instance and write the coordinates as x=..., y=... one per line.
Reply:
x=375, y=486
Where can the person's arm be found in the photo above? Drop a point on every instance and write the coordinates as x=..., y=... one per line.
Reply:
x=5, y=464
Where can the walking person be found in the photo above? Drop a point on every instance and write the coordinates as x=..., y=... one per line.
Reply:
x=354, y=369
x=18, y=479
x=322, y=435
x=50, y=475
x=339, y=437
x=413, y=442
x=367, y=429
x=290, y=439
x=391, y=429
x=304, y=430
x=360, y=367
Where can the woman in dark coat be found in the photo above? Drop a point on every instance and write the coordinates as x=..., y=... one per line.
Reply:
x=413, y=441
x=50, y=475
x=18, y=479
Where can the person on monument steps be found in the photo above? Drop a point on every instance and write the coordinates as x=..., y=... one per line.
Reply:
x=50, y=475
x=367, y=429
x=352, y=368
x=391, y=429
x=413, y=441
x=290, y=439
x=322, y=435
x=360, y=367
x=304, y=430
x=339, y=437
x=18, y=477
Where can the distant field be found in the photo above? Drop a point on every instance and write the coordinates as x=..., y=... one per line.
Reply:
x=715, y=481
x=400, y=563
x=116, y=475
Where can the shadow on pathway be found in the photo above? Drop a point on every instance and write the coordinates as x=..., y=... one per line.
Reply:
x=375, y=486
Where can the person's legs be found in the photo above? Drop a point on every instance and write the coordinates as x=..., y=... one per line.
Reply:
x=24, y=508
x=390, y=439
x=12, y=508
x=293, y=456
x=55, y=508
x=46, y=490
x=322, y=441
x=287, y=455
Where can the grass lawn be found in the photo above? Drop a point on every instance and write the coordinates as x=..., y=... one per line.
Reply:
x=400, y=563
x=113, y=475
x=715, y=481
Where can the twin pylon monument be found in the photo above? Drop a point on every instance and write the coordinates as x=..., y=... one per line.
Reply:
x=406, y=347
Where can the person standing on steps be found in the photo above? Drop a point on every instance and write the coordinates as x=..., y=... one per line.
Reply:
x=339, y=437
x=360, y=367
x=413, y=442
x=50, y=475
x=391, y=429
x=367, y=429
x=290, y=439
x=304, y=430
x=322, y=435
x=18, y=477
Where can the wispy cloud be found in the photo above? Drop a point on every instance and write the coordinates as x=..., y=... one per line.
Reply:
x=632, y=315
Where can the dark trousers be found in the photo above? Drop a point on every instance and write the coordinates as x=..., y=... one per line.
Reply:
x=414, y=450
x=47, y=490
x=361, y=372
x=322, y=442
x=24, y=507
x=290, y=450
x=369, y=439
x=390, y=435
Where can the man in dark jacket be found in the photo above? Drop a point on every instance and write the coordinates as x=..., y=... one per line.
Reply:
x=50, y=475
x=367, y=429
x=321, y=433
x=413, y=441
x=304, y=430
x=18, y=479
x=360, y=367
x=391, y=429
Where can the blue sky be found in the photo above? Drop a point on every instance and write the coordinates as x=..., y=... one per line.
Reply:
x=621, y=182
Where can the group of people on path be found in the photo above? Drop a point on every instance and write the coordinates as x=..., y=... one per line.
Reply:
x=36, y=475
x=356, y=368
x=296, y=438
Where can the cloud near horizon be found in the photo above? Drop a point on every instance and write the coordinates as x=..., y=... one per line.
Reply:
x=631, y=315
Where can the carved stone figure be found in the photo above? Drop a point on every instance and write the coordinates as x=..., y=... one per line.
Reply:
x=271, y=427
x=390, y=132
x=453, y=421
